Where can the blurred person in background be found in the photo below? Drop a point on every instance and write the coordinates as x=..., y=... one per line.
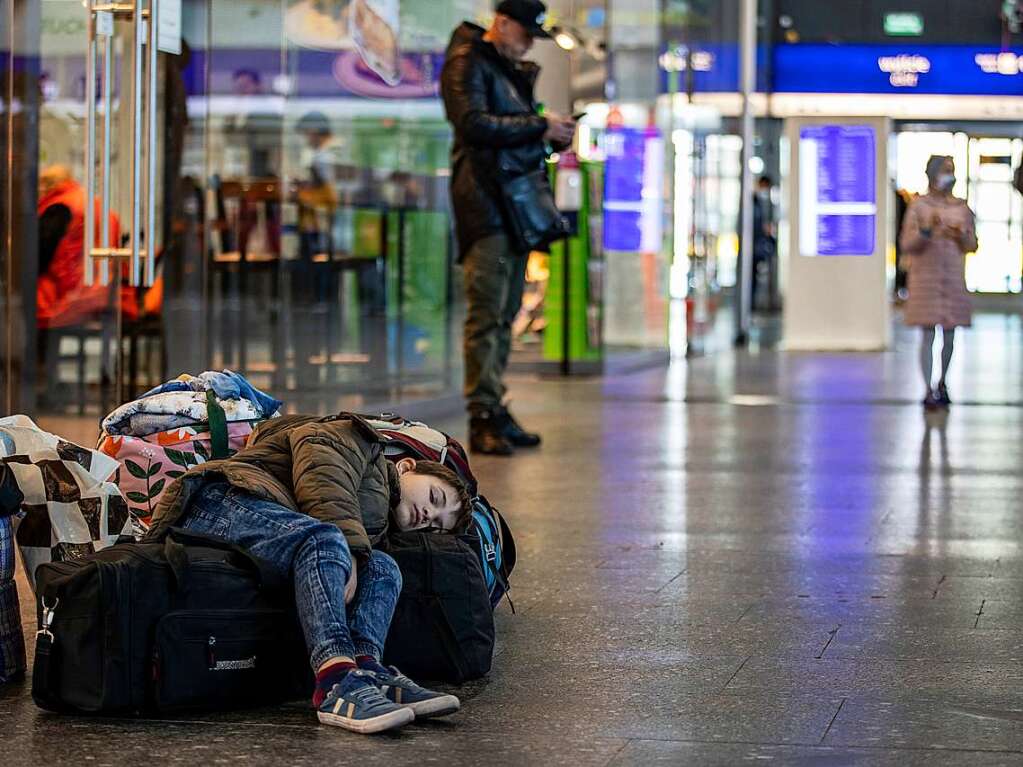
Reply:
x=255, y=125
x=903, y=199
x=62, y=297
x=937, y=233
x=765, y=245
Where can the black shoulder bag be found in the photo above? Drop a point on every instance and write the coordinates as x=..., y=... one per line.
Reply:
x=532, y=216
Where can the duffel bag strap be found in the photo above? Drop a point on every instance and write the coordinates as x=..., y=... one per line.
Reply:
x=42, y=679
x=177, y=557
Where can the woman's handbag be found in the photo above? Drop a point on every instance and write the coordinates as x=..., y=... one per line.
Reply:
x=533, y=218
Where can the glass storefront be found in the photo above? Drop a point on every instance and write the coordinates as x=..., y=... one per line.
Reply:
x=299, y=205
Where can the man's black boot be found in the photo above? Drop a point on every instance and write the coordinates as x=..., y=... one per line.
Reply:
x=513, y=431
x=486, y=435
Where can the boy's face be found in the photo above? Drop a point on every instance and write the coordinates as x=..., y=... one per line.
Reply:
x=426, y=502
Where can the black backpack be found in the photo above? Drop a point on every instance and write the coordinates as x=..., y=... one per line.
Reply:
x=493, y=539
x=142, y=627
x=443, y=625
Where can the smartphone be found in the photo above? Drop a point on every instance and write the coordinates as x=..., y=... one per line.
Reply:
x=578, y=116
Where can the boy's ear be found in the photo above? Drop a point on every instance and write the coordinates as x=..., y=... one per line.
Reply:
x=405, y=465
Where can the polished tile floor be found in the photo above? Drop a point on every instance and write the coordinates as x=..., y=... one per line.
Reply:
x=747, y=558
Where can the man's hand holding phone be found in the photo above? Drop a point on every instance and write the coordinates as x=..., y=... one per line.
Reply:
x=560, y=129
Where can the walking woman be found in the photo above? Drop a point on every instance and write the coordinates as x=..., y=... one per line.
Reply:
x=937, y=232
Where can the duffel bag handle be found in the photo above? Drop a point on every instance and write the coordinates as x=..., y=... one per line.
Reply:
x=177, y=558
x=220, y=446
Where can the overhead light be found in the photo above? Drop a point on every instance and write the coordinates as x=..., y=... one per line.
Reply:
x=565, y=39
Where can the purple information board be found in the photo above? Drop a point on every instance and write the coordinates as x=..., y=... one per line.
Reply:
x=837, y=190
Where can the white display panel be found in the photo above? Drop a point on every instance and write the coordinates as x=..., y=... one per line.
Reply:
x=838, y=198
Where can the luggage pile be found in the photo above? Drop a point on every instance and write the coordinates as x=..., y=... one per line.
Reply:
x=182, y=423
x=195, y=622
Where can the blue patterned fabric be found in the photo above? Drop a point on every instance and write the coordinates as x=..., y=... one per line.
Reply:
x=12, y=641
x=226, y=385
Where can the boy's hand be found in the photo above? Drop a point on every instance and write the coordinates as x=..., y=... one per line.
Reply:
x=352, y=585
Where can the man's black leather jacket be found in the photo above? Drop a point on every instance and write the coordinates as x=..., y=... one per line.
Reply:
x=498, y=133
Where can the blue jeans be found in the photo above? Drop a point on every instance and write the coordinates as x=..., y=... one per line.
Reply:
x=315, y=556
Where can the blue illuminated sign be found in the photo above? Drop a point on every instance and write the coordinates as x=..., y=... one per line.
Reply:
x=715, y=67
x=929, y=69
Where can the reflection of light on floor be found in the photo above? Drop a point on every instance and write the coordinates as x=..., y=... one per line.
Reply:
x=678, y=336
x=752, y=400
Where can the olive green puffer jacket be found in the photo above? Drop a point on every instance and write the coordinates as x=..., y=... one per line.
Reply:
x=332, y=469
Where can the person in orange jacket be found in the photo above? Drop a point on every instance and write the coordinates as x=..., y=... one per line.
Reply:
x=62, y=298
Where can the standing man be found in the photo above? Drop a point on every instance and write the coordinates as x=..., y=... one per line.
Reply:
x=500, y=135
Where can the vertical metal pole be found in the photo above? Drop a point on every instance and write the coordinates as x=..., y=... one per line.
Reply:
x=9, y=383
x=748, y=54
x=150, y=271
x=138, y=40
x=90, y=147
x=566, y=319
x=401, y=298
x=108, y=108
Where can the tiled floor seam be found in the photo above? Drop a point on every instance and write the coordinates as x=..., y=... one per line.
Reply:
x=736, y=672
x=831, y=638
x=619, y=752
x=822, y=747
x=827, y=729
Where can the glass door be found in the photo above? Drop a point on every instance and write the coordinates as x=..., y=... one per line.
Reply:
x=264, y=189
x=79, y=152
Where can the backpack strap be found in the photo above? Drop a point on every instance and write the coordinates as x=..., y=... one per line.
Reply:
x=414, y=445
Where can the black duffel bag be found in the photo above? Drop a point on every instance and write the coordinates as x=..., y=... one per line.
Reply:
x=443, y=625
x=192, y=622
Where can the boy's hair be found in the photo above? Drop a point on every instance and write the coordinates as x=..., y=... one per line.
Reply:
x=444, y=474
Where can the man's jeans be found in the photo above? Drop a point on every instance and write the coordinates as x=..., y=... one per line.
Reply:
x=494, y=279
x=315, y=556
